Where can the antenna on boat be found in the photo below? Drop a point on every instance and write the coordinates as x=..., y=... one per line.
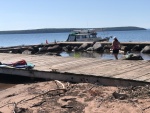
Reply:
x=46, y=42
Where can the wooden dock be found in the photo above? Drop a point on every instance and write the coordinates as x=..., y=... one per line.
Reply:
x=105, y=72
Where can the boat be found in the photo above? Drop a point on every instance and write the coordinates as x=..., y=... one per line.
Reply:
x=87, y=35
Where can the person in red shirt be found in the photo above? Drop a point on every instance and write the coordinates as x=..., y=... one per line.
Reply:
x=115, y=47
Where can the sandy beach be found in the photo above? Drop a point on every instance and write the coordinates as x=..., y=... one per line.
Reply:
x=64, y=97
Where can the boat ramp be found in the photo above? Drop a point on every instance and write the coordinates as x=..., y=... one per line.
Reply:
x=105, y=72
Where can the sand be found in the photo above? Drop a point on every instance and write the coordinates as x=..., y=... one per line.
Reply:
x=64, y=97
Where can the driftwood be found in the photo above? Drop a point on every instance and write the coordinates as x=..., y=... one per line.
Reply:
x=41, y=95
x=38, y=104
x=57, y=81
x=146, y=108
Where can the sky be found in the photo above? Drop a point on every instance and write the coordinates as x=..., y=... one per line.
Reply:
x=39, y=14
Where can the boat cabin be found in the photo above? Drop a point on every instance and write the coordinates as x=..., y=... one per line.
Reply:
x=82, y=35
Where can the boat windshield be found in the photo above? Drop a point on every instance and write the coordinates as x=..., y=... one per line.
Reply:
x=92, y=36
x=82, y=36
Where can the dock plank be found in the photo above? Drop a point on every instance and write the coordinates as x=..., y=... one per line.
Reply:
x=143, y=77
x=108, y=68
x=135, y=73
x=114, y=69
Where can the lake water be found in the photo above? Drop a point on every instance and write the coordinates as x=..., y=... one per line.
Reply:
x=39, y=38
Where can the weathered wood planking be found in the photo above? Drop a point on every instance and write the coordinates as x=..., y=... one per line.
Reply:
x=138, y=70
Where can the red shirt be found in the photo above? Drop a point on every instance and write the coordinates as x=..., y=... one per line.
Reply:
x=116, y=45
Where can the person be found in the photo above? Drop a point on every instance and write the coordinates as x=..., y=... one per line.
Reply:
x=115, y=47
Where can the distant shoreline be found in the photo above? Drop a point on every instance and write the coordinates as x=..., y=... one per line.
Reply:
x=62, y=30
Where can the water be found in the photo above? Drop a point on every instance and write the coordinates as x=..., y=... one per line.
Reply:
x=130, y=36
x=89, y=54
x=30, y=39
x=39, y=38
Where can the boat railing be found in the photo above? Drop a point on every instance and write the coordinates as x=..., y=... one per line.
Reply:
x=85, y=31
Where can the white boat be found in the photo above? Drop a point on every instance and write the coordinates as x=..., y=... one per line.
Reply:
x=85, y=35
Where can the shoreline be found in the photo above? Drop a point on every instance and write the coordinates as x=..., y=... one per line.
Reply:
x=56, y=48
x=62, y=30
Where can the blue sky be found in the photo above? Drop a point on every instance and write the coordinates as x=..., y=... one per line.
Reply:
x=36, y=14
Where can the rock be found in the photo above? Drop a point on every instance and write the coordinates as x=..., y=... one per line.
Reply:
x=96, y=46
x=36, y=49
x=84, y=46
x=67, y=48
x=31, y=49
x=90, y=49
x=107, y=48
x=75, y=48
x=16, y=50
x=136, y=48
x=125, y=48
x=54, y=48
x=28, y=52
x=53, y=54
x=132, y=56
x=119, y=96
x=43, y=49
x=146, y=49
